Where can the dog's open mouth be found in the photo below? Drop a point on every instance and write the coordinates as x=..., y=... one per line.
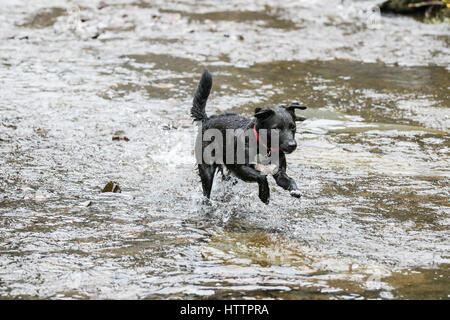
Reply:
x=288, y=150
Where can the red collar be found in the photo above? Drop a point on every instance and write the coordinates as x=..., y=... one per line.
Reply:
x=259, y=140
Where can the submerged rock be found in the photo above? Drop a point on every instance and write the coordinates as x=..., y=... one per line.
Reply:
x=118, y=138
x=112, y=187
x=119, y=135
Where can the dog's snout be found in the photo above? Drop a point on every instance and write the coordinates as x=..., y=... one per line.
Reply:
x=290, y=146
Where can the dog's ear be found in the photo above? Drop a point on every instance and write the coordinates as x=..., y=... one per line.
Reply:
x=263, y=113
x=291, y=108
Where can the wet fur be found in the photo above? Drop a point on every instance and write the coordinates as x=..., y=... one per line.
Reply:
x=282, y=118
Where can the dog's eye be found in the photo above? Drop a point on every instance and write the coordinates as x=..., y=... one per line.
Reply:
x=292, y=127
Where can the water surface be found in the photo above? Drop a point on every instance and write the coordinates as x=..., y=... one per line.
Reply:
x=373, y=157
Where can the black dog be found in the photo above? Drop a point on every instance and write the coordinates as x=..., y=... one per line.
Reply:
x=282, y=118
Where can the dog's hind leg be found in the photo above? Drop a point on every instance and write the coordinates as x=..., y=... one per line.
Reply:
x=221, y=169
x=206, y=172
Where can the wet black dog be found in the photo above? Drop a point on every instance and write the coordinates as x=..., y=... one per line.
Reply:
x=282, y=118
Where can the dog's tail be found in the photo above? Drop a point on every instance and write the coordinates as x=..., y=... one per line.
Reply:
x=201, y=95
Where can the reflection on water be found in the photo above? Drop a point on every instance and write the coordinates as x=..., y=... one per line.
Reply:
x=372, y=161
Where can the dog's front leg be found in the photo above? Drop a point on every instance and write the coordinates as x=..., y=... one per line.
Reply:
x=249, y=174
x=284, y=181
x=287, y=183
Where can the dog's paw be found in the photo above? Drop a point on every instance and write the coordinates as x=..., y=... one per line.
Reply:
x=296, y=193
x=206, y=202
x=264, y=196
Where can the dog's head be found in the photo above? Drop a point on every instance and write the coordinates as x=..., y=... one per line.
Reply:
x=282, y=119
